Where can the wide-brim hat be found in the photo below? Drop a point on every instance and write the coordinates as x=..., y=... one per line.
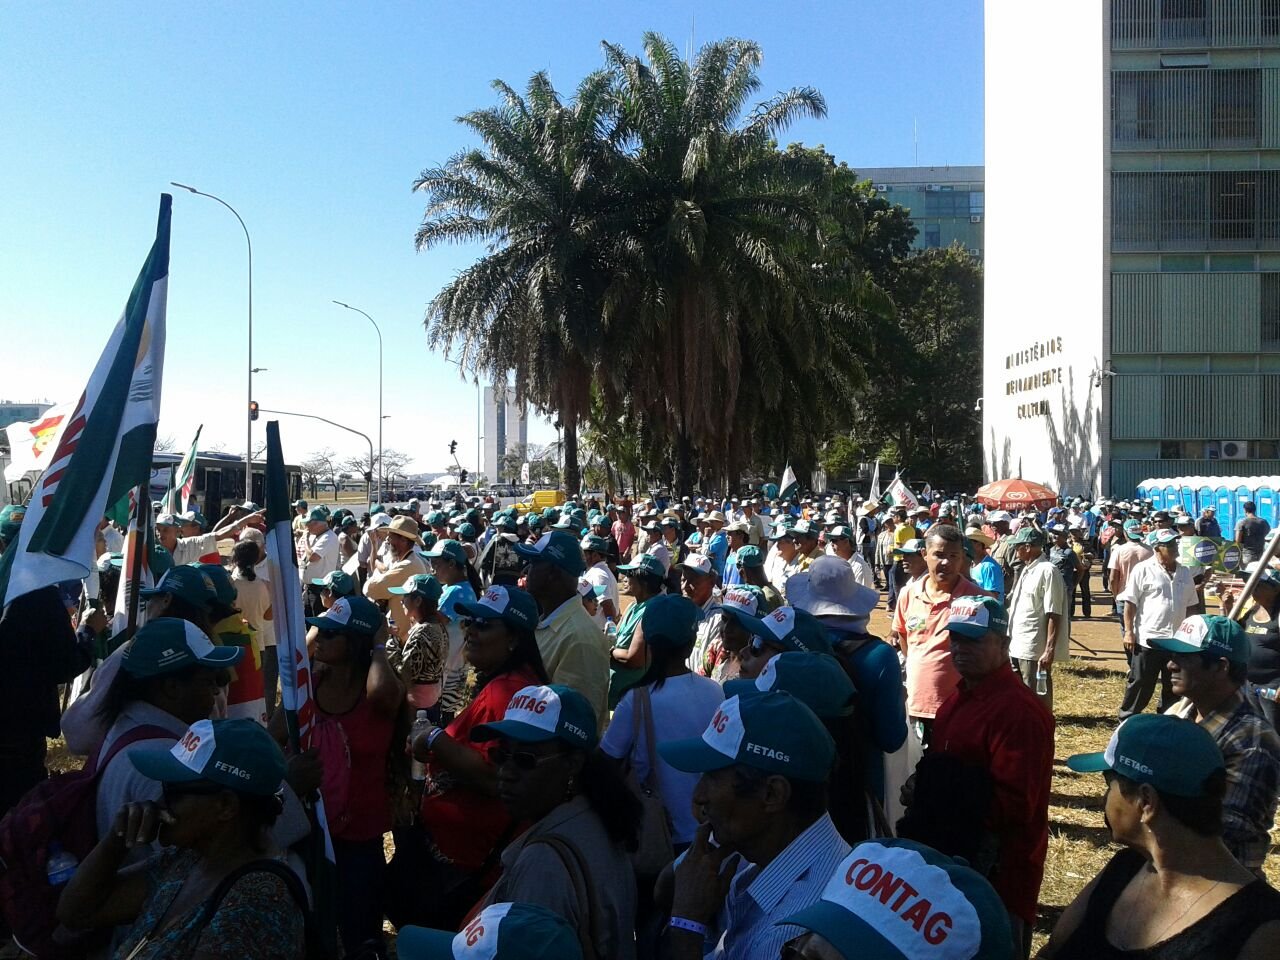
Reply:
x=406, y=527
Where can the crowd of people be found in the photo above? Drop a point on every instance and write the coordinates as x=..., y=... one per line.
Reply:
x=642, y=729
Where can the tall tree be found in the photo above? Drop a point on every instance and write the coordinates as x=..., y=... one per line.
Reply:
x=538, y=194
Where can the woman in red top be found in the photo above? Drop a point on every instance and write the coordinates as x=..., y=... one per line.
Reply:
x=465, y=822
x=357, y=697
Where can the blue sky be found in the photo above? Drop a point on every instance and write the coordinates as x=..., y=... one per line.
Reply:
x=313, y=120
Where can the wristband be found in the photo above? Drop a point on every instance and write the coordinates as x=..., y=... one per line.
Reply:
x=692, y=926
x=433, y=736
x=380, y=646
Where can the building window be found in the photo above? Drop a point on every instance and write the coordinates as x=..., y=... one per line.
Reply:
x=1222, y=210
x=1170, y=450
x=946, y=203
x=932, y=236
x=977, y=203
x=1270, y=312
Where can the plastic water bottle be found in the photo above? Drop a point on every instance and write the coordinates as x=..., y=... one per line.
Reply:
x=61, y=866
x=610, y=629
x=418, y=769
x=1042, y=682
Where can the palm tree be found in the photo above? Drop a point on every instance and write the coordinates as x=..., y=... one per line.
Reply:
x=538, y=195
x=719, y=266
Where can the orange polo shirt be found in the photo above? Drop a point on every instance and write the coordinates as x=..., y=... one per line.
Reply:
x=920, y=619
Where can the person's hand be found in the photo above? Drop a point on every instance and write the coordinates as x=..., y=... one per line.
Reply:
x=416, y=743
x=138, y=824
x=96, y=620
x=907, y=794
x=700, y=883
x=304, y=771
x=1045, y=662
x=1129, y=643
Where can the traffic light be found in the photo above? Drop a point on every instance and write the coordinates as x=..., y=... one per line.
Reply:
x=253, y=409
x=462, y=477
x=453, y=447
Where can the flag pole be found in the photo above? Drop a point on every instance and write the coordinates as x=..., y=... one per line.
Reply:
x=143, y=546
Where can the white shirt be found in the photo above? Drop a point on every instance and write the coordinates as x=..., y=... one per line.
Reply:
x=861, y=569
x=1162, y=600
x=326, y=546
x=601, y=576
x=191, y=549
x=660, y=551
x=682, y=708
x=1039, y=591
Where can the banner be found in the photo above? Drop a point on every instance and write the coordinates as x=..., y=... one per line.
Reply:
x=32, y=442
x=106, y=442
x=524, y=472
x=178, y=499
x=900, y=495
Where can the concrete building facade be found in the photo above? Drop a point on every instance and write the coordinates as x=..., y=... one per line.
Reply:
x=506, y=428
x=1138, y=334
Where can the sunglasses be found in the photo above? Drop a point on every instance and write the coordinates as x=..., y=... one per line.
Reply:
x=522, y=759
x=173, y=792
x=474, y=623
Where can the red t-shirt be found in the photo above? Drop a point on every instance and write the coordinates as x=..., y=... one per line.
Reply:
x=463, y=823
x=1002, y=726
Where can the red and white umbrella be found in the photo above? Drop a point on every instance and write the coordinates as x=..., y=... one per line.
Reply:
x=1016, y=494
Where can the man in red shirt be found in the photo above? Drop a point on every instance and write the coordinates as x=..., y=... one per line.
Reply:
x=623, y=530
x=993, y=720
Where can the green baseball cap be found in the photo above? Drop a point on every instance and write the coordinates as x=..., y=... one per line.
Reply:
x=300, y=503
x=786, y=627
x=318, y=515
x=534, y=520
x=646, y=564
x=951, y=911
x=501, y=931
x=1175, y=756
x=237, y=754
x=744, y=598
x=376, y=509
x=594, y=543
x=1133, y=529
x=537, y=714
x=815, y=679
x=670, y=622
x=1162, y=536
x=166, y=645
x=1201, y=633
x=421, y=585
x=352, y=614
x=972, y=618
x=773, y=732
x=168, y=520
x=435, y=518
x=508, y=604
x=555, y=547
x=1029, y=535
x=749, y=557
x=912, y=546
x=186, y=583
x=338, y=583
x=447, y=548
x=224, y=591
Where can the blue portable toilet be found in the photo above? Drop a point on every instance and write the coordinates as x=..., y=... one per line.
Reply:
x=1265, y=497
x=1204, y=498
x=1141, y=493
x=1172, y=498
x=1189, y=499
x=1226, y=511
x=1242, y=494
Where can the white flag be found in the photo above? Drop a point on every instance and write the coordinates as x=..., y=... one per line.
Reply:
x=874, y=494
x=31, y=443
x=901, y=494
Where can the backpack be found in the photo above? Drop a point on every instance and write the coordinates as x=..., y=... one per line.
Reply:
x=59, y=810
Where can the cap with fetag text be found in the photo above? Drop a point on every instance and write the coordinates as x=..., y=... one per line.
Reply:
x=1173, y=755
x=511, y=605
x=501, y=931
x=237, y=754
x=352, y=614
x=166, y=645
x=337, y=582
x=558, y=548
x=537, y=714
x=974, y=617
x=1201, y=633
x=773, y=732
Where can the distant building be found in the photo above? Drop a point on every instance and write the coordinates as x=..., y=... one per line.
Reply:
x=1134, y=330
x=506, y=428
x=947, y=204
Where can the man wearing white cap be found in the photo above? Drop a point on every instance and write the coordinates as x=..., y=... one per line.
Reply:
x=758, y=524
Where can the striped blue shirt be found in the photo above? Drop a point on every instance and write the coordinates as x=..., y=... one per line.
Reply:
x=759, y=898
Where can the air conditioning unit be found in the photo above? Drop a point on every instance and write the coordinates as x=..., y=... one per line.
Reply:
x=882, y=188
x=975, y=218
x=975, y=252
x=932, y=187
x=1234, y=449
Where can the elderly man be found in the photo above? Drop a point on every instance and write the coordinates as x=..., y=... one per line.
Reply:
x=764, y=762
x=198, y=547
x=759, y=524
x=920, y=626
x=805, y=536
x=574, y=651
x=782, y=561
x=1000, y=523
x=1037, y=615
x=698, y=583
x=993, y=720
x=403, y=561
x=840, y=543
x=1207, y=525
x=1209, y=661
x=1158, y=596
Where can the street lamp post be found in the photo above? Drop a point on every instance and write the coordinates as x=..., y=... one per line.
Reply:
x=311, y=416
x=381, y=471
x=248, y=413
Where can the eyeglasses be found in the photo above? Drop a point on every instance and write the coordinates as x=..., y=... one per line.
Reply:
x=474, y=623
x=522, y=759
x=173, y=792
